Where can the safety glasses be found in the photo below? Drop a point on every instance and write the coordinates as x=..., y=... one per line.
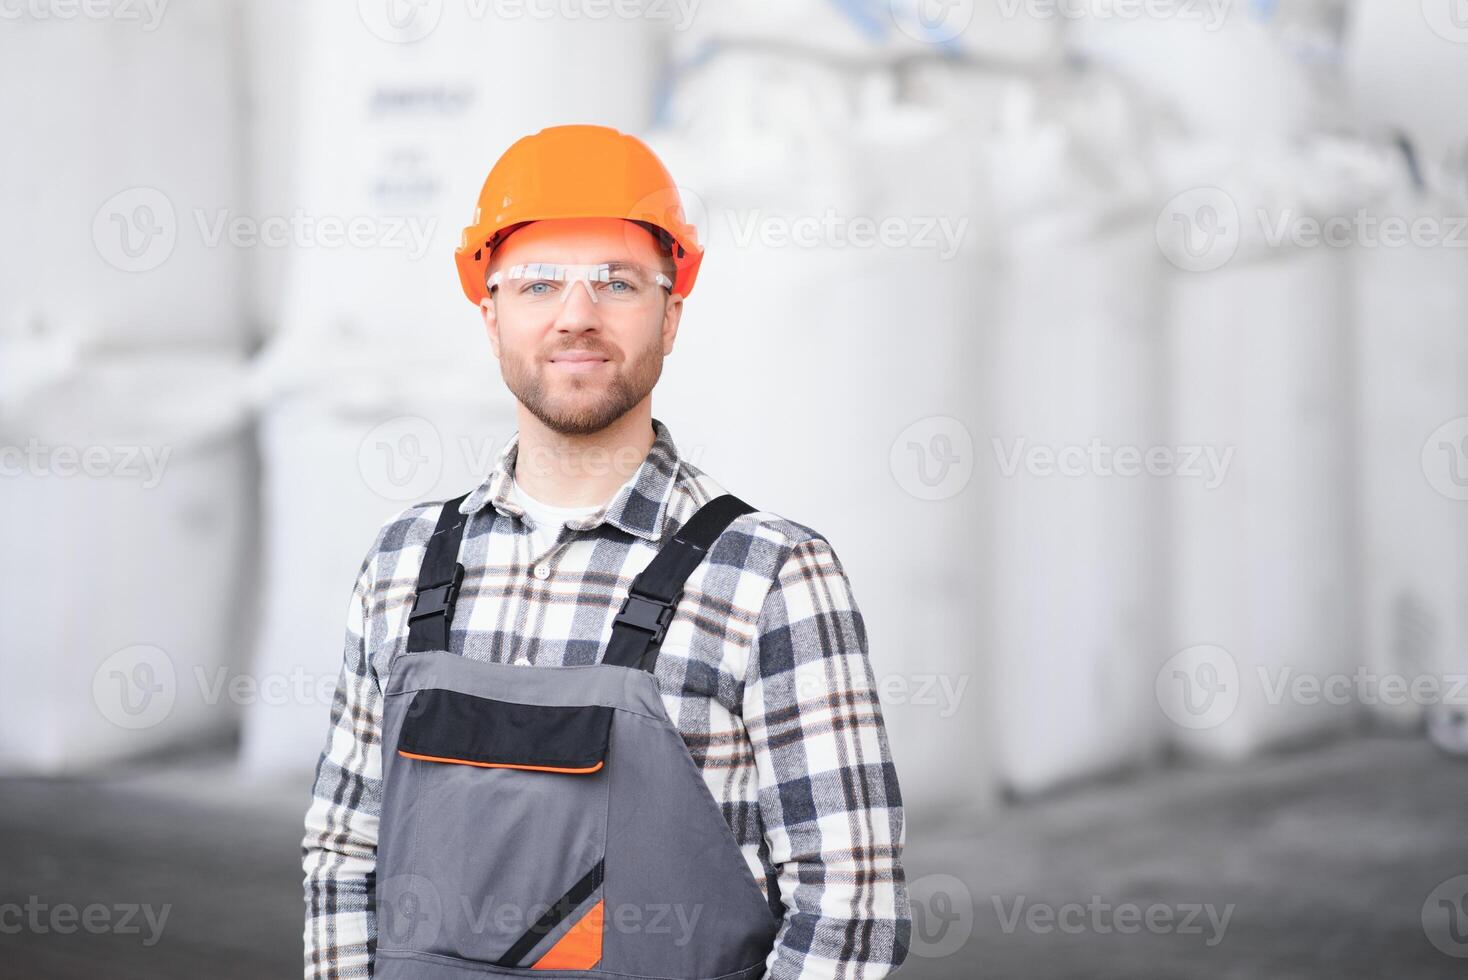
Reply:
x=537, y=284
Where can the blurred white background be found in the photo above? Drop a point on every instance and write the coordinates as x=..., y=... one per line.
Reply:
x=1120, y=348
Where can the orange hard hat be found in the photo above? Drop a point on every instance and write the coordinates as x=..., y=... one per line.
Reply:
x=576, y=172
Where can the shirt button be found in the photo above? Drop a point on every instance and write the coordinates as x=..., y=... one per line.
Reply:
x=522, y=661
x=542, y=572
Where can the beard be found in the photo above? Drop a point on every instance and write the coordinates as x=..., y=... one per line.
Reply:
x=577, y=405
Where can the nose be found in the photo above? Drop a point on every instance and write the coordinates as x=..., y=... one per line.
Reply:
x=578, y=309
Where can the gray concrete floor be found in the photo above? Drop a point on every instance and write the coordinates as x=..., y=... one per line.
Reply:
x=1326, y=858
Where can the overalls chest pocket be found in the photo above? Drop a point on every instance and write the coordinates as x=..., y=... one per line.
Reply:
x=508, y=805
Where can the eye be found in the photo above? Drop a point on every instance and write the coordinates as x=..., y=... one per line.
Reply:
x=622, y=286
x=539, y=287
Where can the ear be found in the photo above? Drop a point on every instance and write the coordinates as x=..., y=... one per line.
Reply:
x=672, y=316
x=491, y=324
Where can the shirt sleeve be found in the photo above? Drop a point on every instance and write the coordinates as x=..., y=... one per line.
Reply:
x=828, y=792
x=339, y=850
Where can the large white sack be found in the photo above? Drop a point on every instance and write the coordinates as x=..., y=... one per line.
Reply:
x=1411, y=347
x=1263, y=613
x=349, y=435
x=1238, y=71
x=400, y=126
x=1405, y=68
x=128, y=492
x=1078, y=536
x=834, y=376
x=121, y=161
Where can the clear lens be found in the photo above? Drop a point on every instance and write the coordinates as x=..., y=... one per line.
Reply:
x=548, y=283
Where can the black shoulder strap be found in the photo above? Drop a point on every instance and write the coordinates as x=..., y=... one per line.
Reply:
x=439, y=580
x=638, y=630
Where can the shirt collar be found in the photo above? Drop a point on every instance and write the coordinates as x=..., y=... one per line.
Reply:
x=638, y=507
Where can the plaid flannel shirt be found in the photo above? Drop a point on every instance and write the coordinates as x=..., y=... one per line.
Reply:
x=764, y=671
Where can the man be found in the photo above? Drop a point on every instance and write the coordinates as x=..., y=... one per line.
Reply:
x=603, y=734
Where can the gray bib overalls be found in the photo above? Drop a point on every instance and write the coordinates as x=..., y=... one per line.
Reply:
x=550, y=821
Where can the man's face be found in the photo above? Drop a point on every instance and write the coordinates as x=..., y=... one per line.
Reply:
x=579, y=365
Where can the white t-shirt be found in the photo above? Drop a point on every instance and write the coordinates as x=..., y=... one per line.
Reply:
x=547, y=521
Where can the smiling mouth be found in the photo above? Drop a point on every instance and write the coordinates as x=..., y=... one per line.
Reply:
x=576, y=362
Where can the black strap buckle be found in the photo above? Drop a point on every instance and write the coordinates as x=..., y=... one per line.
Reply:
x=438, y=599
x=648, y=614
